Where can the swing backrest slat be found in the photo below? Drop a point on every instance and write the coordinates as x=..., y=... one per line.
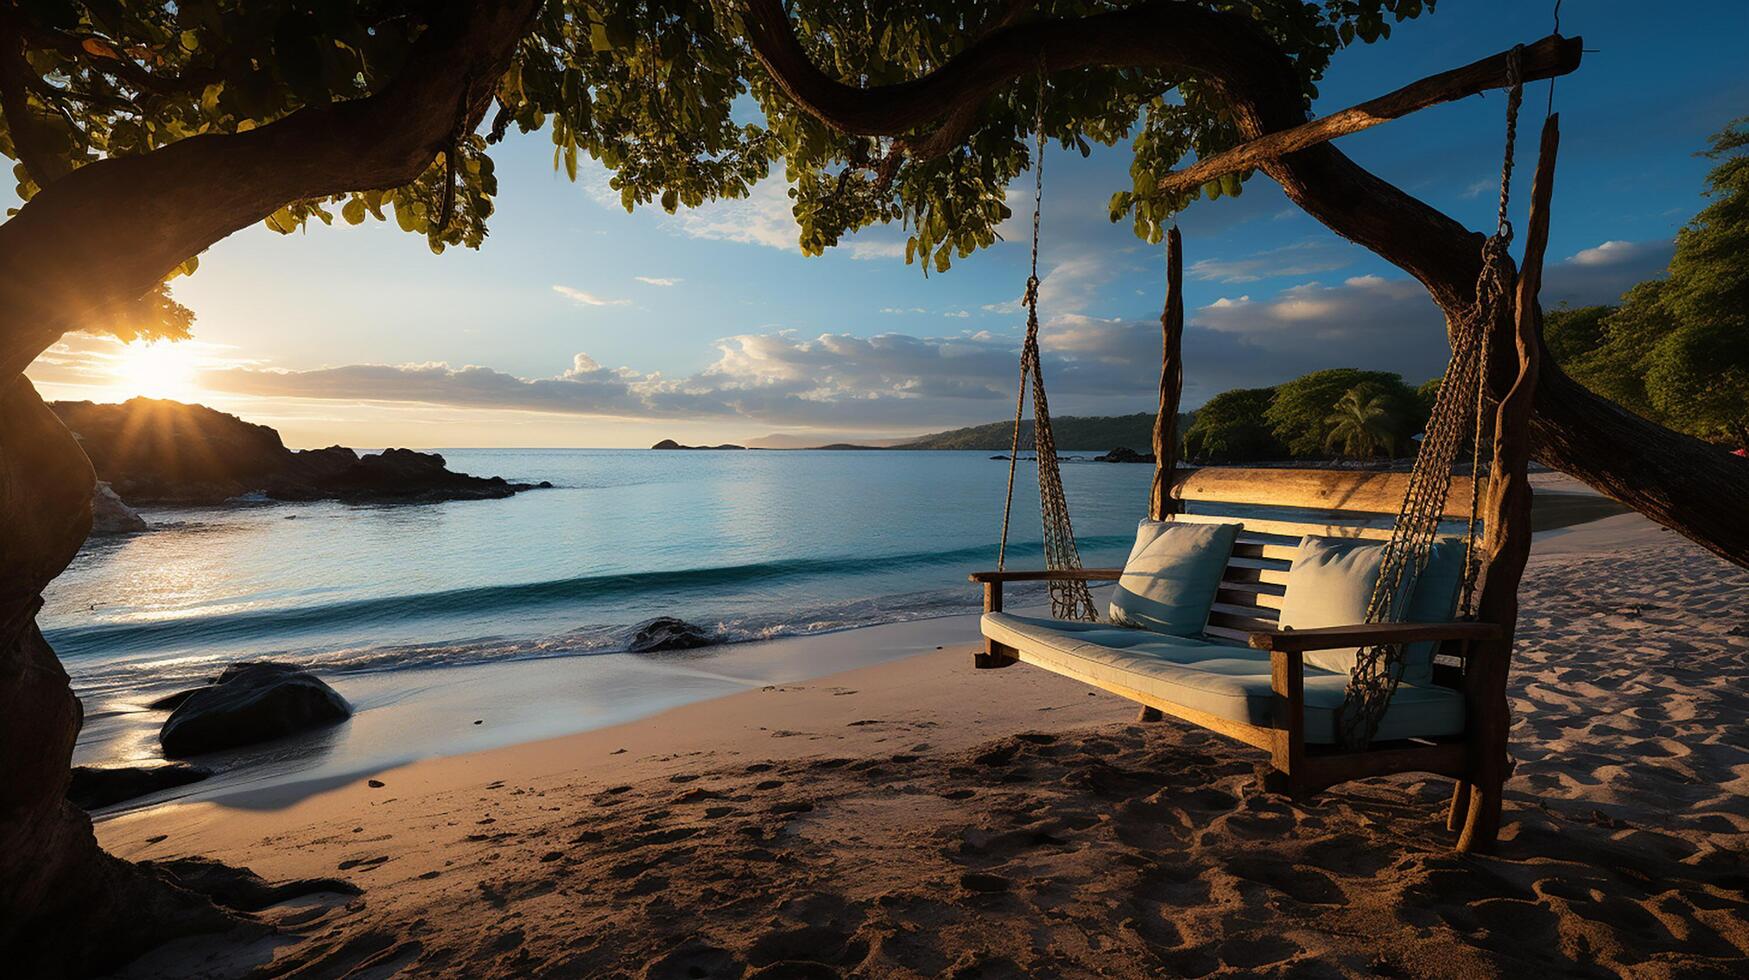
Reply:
x=1326, y=503
x=1355, y=492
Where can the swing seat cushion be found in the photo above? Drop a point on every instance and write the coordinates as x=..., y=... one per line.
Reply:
x=1169, y=582
x=1331, y=581
x=1214, y=677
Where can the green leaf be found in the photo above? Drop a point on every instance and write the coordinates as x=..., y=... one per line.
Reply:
x=353, y=212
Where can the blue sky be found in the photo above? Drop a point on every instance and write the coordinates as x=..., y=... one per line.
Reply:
x=580, y=325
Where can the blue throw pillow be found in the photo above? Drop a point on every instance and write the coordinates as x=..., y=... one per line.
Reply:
x=1332, y=579
x=1170, y=579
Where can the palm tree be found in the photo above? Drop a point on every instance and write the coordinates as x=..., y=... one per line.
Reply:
x=1361, y=424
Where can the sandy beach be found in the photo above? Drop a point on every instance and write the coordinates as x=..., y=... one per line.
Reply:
x=919, y=818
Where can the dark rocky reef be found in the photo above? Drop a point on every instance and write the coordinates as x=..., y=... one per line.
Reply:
x=248, y=703
x=1124, y=454
x=156, y=451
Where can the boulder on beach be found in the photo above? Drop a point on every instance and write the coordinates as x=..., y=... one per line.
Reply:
x=110, y=515
x=170, y=702
x=93, y=788
x=669, y=633
x=249, y=703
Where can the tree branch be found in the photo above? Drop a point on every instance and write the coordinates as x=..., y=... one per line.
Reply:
x=1551, y=56
x=106, y=233
x=41, y=162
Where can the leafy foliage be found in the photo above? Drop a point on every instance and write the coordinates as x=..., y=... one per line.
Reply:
x=1361, y=423
x=1300, y=413
x=1229, y=428
x=665, y=93
x=1677, y=349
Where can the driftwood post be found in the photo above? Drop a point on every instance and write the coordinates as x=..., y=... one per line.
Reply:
x=1506, y=539
x=1160, y=502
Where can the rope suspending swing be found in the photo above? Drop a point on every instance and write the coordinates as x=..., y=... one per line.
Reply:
x=1069, y=597
x=1378, y=669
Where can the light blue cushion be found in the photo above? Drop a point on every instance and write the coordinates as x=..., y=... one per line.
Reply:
x=1170, y=579
x=1332, y=579
x=1212, y=676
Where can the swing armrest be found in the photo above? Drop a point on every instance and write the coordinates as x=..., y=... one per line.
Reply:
x=1043, y=574
x=1369, y=634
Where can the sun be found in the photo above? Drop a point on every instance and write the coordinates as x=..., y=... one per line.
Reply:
x=157, y=369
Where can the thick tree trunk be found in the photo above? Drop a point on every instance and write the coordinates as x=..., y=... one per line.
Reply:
x=89, y=243
x=66, y=907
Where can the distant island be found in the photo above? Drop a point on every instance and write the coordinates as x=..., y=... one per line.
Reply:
x=1071, y=431
x=1074, y=432
x=671, y=444
x=155, y=451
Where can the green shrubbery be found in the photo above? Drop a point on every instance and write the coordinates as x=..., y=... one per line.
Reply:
x=1340, y=411
x=1677, y=349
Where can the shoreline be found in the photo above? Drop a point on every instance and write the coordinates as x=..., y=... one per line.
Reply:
x=403, y=715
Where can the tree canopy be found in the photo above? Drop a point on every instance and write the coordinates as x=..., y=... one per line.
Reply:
x=1300, y=412
x=1230, y=428
x=667, y=94
x=1676, y=350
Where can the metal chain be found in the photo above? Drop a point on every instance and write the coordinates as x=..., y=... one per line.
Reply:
x=1378, y=669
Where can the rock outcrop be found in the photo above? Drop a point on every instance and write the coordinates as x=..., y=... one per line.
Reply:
x=669, y=633
x=111, y=515
x=249, y=703
x=93, y=788
x=1124, y=454
x=155, y=451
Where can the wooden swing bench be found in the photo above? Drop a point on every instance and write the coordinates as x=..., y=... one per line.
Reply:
x=1330, y=717
x=1247, y=679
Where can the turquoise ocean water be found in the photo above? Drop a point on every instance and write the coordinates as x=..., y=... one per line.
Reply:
x=753, y=544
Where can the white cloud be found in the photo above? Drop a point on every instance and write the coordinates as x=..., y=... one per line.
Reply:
x=764, y=217
x=872, y=250
x=902, y=310
x=960, y=314
x=587, y=298
x=1303, y=258
x=1070, y=286
x=1600, y=274
x=772, y=378
x=1475, y=190
x=657, y=280
x=1609, y=253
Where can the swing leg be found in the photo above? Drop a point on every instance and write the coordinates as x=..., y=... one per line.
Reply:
x=1482, y=822
x=1487, y=779
x=994, y=655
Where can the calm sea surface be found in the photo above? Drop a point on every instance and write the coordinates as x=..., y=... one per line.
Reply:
x=753, y=544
